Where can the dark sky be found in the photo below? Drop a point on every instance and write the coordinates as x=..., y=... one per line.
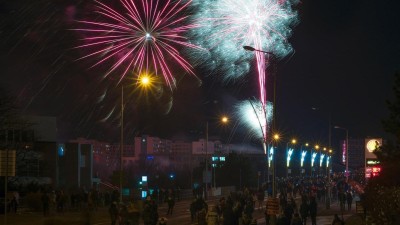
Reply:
x=346, y=53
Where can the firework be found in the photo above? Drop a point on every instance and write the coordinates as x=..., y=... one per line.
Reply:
x=144, y=35
x=225, y=26
x=255, y=116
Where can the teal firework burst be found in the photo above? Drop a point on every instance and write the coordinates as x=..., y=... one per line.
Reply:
x=225, y=26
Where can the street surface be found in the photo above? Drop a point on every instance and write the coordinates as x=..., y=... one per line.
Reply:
x=180, y=215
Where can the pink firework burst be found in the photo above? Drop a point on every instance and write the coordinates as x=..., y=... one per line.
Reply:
x=144, y=35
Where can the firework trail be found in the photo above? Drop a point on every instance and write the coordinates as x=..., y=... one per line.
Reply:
x=143, y=36
x=225, y=26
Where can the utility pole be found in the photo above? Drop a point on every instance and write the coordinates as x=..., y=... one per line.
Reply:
x=206, y=166
x=122, y=143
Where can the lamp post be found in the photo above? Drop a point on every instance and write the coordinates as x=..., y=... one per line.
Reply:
x=289, y=153
x=346, y=173
x=263, y=96
x=206, y=165
x=252, y=49
x=144, y=82
x=328, y=167
x=121, y=149
x=321, y=160
x=224, y=120
x=276, y=138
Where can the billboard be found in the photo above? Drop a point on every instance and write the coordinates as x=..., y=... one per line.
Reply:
x=372, y=164
x=370, y=146
x=372, y=171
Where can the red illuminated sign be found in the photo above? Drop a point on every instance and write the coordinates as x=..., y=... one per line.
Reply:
x=372, y=171
x=375, y=171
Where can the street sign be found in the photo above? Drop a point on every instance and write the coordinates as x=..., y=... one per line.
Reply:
x=272, y=206
x=7, y=168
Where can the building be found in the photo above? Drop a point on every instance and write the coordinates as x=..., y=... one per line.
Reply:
x=82, y=163
x=35, y=140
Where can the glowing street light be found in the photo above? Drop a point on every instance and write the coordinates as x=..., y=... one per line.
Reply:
x=224, y=120
x=275, y=139
x=146, y=81
x=143, y=82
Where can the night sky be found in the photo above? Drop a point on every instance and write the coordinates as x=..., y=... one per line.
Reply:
x=346, y=55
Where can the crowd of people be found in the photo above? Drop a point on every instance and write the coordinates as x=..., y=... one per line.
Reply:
x=298, y=201
x=237, y=208
x=91, y=200
x=312, y=191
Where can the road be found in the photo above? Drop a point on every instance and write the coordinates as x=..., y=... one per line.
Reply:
x=180, y=216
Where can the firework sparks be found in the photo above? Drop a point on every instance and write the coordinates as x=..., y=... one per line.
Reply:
x=143, y=36
x=225, y=26
x=228, y=25
x=255, y=116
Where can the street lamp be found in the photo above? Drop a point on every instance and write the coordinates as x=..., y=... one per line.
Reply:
x=252, y=49
x=121, y=148
x=328, y=166
x=329, y=163
x=144, y=82
x=206, y=166
x=346, y=173
x=276, y=138
x=224, y=120
x=289, y=153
